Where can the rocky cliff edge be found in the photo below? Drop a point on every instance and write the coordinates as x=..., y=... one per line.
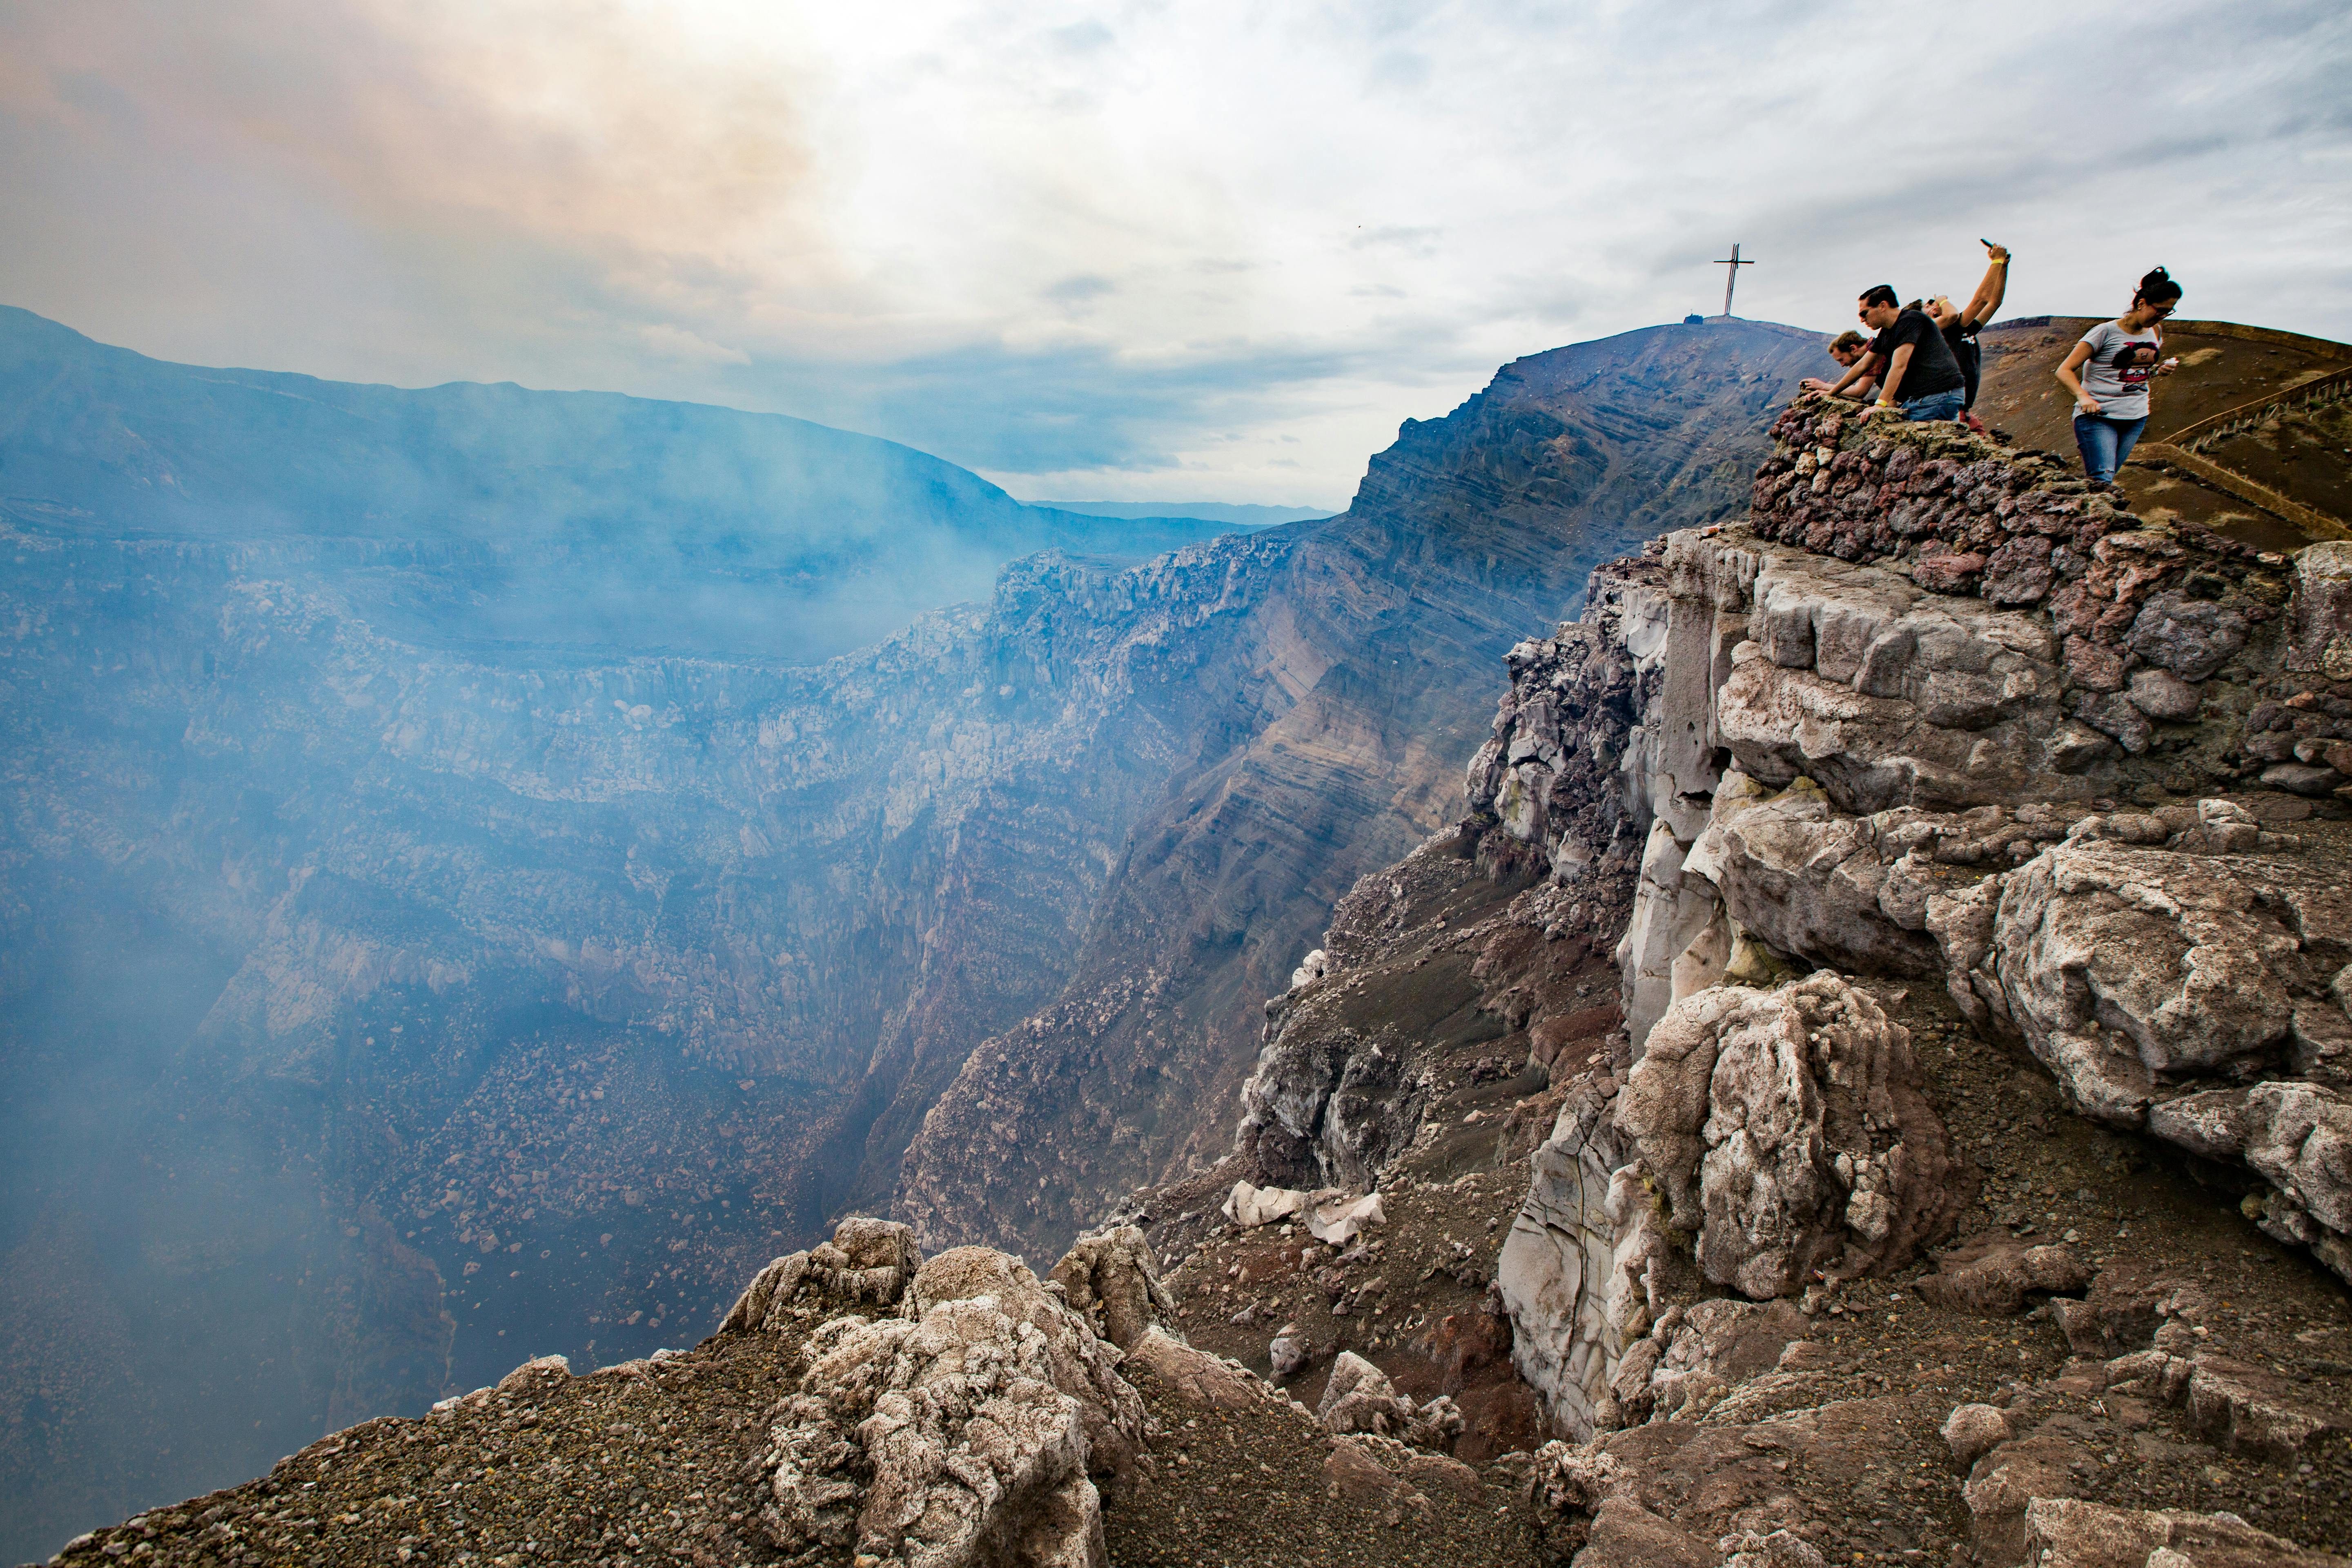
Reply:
x=1956, y=1160
x=1866, y=1082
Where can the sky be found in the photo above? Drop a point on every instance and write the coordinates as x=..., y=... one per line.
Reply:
x=1207, y=252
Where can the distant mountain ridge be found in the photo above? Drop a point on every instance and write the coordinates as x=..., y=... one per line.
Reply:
x=1246, y=514
x=496, y=515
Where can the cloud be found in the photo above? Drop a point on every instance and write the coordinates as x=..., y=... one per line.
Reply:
x=1112, y=247
x=678, y=343
x=1078, y=290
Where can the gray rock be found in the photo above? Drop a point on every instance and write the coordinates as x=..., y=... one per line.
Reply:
x=866, y=1265
x=1288, y=1353
x=2191, y=637
x=1670, y=917
x=1997, y=1279
x=1788, y=1130
x=2122, y=968
x=2070, y=1532
x=1973, y=1431
x=2160, y=694
x=1110, y=1278
x=961, y=1432
x=2302, y=778
x=1695, y=1355
x=1781, y=1548
x=2296, y=1136
x=1359, y=1397
x=2319, y=616
x=1574, y=1267
x=1216, y=1381
x=2115, y=963
x=1807, y=882
x=2118, y=718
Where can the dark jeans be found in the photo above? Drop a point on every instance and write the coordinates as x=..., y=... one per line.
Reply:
x=2106, y=443
x=1935, y=405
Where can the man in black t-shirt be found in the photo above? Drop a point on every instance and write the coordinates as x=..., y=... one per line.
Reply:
x=1914, y=366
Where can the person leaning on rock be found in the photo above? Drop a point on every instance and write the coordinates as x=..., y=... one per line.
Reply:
x=1912, y=365
x=1960, y=324
x=2115, y=361
x=1848, y=348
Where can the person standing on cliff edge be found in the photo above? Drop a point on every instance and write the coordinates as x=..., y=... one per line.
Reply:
x=2115, y=361
x=1914, y=366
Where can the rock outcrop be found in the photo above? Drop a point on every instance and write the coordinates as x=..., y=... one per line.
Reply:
x=1111, y=1278
x=959, y=1428
x=2067, y=1533
x=1786, y=1130
x=1881, y=726
x=1668, y=1000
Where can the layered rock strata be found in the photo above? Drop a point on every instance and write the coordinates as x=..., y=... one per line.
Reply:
x=1933, y=709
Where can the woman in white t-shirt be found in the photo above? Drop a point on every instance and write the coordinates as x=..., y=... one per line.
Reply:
x=2115, y=361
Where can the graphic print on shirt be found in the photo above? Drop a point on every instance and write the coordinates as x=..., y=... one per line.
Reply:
x=2134, y=364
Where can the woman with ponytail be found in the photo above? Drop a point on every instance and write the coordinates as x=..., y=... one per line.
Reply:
x=2116, y=359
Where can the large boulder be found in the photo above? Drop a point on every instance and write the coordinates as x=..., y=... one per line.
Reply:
x=2134, y=972
x=962, y=1431
x=2069, y=1533
x=1110, y=1278
x=1787, y=1131
x=1196, y=1375
x=2124, y=967
x=2296, y=1136
x=866, y=1267
x=1572, y=1271
x=1808, y=881
x=2117, y=964
x=1359, y=1397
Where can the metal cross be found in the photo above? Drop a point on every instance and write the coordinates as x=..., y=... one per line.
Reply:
x=1731, y=276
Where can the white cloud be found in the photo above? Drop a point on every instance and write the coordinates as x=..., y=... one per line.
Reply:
x=1129, y=249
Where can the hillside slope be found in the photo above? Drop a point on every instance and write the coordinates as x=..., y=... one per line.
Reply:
x=2247, y=436
x=1866, y=1078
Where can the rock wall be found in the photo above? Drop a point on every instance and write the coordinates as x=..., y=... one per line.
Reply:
x=1935, y=707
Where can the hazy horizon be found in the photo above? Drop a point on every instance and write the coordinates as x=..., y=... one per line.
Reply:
x=1117, y=252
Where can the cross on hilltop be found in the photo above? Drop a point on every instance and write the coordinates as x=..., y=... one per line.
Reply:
x=1732, y=277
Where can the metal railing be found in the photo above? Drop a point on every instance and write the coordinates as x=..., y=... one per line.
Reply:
x=2207, y=433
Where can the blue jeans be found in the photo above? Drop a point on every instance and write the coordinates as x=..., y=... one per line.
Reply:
x=2106, y=443
x=1936, y=405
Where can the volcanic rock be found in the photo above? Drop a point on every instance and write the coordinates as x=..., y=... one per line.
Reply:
x=1786, y=1130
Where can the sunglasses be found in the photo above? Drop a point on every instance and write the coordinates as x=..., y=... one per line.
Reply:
x=2163, y=311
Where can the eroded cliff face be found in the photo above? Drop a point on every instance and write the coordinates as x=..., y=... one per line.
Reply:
x=1388, y=618
x=550, y=986
x=1923, y=658
x=1979, y=945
